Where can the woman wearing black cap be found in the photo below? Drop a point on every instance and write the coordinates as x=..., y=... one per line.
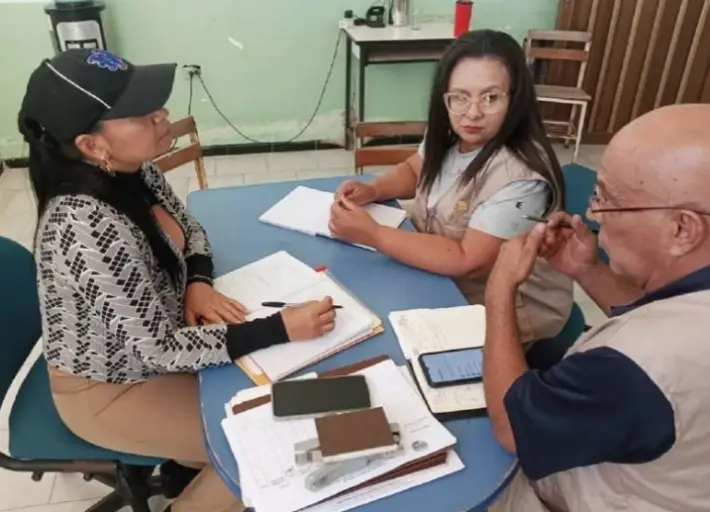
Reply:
x=129, y=313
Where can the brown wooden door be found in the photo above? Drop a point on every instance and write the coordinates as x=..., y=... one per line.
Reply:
x=645, y=54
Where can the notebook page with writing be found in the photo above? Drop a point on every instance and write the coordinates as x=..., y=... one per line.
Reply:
x=434, y=330
x=307, y=210
x=351, y=322
x=268, y=279
x=264, y=447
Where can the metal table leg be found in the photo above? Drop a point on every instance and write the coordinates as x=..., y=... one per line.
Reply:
x=361, y=86
x=347, y=140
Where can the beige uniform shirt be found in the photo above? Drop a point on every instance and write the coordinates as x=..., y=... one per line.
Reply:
x=544, y=302
x=666, y=337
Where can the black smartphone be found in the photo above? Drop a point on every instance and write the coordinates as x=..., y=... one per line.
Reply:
x=453, y=367
x=315, y=397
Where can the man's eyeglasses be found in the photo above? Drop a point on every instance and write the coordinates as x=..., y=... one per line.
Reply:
x=459, y=103
x=596, y=206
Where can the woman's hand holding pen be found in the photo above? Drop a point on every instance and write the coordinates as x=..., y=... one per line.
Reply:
x=309, y=320
x=569, y=245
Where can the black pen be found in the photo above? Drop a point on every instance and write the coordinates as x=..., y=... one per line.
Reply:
x=563, y=224
x=287, y=305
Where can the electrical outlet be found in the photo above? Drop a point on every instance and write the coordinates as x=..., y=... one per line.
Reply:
x=193, y=70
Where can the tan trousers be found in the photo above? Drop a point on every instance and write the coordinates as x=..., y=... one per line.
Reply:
x=157, y=418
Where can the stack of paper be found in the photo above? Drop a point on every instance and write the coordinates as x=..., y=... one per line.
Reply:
x=307, y=210
x=282, y=278
x=270, y=479
x=420, y=331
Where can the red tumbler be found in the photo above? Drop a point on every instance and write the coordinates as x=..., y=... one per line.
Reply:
x=462, y=16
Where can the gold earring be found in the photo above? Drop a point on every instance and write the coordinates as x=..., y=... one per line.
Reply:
x=106, y=167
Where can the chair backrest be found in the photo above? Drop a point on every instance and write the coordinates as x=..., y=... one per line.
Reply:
x=192, y=153
x=560, y=51
x=579, y=186
x=19, y=315
x=385, y=155
x=545, y=353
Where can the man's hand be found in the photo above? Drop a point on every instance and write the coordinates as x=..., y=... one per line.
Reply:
x=351, y=223
x=572, y=251
x=203, y=304
x=515, y=261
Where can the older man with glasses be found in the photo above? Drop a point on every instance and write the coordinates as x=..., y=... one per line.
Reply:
x=623, y=421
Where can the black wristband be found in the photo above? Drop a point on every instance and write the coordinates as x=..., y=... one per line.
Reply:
x=243, y=339
x=199, y=265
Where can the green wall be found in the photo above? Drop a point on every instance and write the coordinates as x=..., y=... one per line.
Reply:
x=270, y=87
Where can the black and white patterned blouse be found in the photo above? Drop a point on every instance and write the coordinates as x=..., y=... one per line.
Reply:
x=110, y=312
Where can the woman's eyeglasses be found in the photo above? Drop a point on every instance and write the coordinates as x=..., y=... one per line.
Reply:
x=459, y=103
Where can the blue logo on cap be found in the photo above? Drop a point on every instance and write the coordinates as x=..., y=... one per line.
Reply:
x=107, y=60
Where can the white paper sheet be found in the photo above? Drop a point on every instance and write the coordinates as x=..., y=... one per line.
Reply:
x=267, y=279
x=307, y=210
x=382, y=490
x=421, y=331
x=351, y=322
x=282, y=278
x=264, y=448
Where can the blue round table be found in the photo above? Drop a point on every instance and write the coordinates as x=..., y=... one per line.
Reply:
x=230, y=217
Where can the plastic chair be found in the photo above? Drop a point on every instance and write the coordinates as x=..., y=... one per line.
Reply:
x=579, y=186
x=545, y=353
x=39, y=441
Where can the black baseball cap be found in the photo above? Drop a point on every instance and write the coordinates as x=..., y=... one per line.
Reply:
x=70, y=93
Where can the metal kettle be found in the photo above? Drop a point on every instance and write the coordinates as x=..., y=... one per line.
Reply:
x=399, y=14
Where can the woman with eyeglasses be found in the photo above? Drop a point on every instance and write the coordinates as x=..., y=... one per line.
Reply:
x=485, y=163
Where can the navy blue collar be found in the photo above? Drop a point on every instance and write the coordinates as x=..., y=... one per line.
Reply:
x=696, y=282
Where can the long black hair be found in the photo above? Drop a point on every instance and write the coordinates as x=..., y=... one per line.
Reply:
x=522, y=131
x=57, y=169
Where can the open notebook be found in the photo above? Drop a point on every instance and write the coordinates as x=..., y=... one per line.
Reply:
x=282, y=278
x=420, y=331
x=307, y=210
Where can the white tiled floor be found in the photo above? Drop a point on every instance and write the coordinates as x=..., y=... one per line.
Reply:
x=69, y=493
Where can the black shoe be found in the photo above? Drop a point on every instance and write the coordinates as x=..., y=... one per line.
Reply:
x=175, y=477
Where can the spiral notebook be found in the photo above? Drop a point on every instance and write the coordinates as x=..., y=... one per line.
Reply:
x=283, y=278
x=307, y=210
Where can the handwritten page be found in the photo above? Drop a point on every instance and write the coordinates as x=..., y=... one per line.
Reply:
x=307, y=210
x=420, y=331
x=282, y=278
x=267, y=279
x=264, y=448
x=352, y=321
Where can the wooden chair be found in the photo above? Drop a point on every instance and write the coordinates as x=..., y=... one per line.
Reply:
x=575, y=96
x=384, y=155
x=191, y=153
